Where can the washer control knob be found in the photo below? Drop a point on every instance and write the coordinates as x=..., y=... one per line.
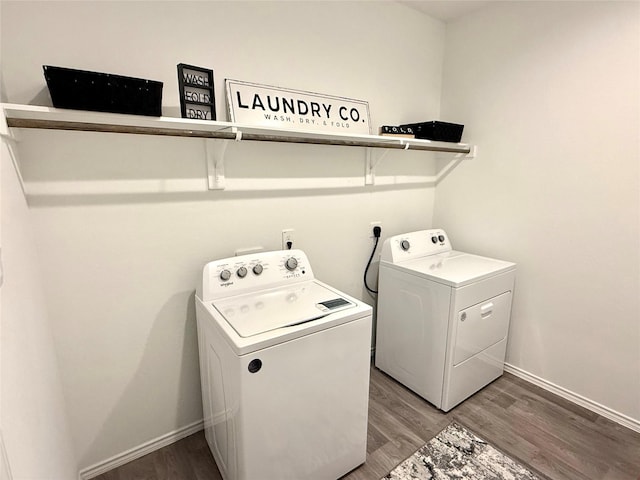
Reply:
x=404, y=245
x=257, y=269
x=434, y=239
x=225, y=275
x=291, y=264
x=441, y=238
x=241, y=272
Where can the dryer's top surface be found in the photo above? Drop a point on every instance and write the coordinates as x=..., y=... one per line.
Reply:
x=454, y=268
x=428, y=253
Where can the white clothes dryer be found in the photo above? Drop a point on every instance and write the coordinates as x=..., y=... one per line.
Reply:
x=443, y=317
x=284, y=363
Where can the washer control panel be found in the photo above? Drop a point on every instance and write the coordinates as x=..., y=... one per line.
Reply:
x=257, y=271
x=414, y=245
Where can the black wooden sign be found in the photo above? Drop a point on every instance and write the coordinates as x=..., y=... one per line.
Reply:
x=197, y=100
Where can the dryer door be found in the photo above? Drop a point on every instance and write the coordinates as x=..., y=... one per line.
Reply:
x=481, y=326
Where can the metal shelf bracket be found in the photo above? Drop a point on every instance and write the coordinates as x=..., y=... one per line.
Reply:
x=214, y=151
x=372, y=158
x=11, y=137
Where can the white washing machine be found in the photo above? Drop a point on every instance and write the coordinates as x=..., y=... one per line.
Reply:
x=284, y=363
x=443, y=317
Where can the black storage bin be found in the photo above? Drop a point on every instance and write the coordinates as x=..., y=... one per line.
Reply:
x=434, y=130
x=103, y=92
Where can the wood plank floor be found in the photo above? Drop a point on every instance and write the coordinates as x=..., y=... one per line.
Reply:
x=550, y=435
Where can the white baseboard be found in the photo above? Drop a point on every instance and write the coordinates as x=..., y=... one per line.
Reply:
x=140, y=451
x=606, y=412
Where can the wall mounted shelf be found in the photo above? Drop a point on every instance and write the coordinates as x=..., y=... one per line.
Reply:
x=37, y=117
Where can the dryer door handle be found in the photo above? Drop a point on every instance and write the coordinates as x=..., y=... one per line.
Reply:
x=486, y=309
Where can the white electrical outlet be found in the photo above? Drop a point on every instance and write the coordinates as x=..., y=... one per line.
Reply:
x=374, y=224
x=288, y=239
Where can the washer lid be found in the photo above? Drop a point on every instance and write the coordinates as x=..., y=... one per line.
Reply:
x=456, y=268
x=255, y=313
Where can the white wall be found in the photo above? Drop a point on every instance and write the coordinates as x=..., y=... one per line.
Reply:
x=35, y=428
x=550, y=93
x=120, y=270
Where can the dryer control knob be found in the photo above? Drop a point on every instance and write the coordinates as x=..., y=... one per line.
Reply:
x=434, y=239
x=404, y=245
x=225, y=275
x=241, y=272
x=257, y=269
x=441, y=238
x=291, y=264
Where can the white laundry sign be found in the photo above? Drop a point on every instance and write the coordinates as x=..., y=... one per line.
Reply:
x=255, y=104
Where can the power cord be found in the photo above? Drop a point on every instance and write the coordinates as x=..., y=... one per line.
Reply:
x=376, y=233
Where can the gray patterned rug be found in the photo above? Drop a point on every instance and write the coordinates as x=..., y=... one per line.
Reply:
x=456, y=453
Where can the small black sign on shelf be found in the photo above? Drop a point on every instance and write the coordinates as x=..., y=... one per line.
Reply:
x=197, y=100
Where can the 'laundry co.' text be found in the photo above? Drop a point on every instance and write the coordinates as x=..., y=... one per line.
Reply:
x=275, y=107
x=297, y=107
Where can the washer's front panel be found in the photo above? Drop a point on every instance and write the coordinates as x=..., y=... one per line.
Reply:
x=303, y=406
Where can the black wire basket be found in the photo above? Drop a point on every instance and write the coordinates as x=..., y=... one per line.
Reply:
x=439, y=131
x=103, y=92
